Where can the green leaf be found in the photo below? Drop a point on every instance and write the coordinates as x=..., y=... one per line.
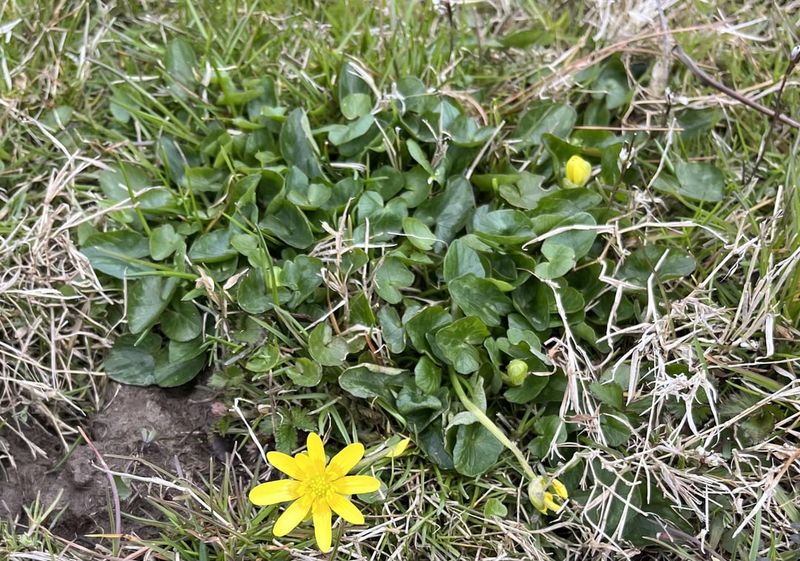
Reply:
x=128, y=363
x=419, y=156
x=306, y=196
x=356, y=105
x=560, y=260
x=264, y=359
x=418, y=233
x=425, y=322
x=164, y=241
x=580, y=241
x=213, y=247
x=180, y=61
x=505, y=226
x=476, y=450
x=461, y=260
x=551, y=431
x=147, y=298
x=391, y=276
x=325, y=348
x=392, y=329
x=287, y=223
x=170, y=374
x=700, y=181
x=117, y=253
x=545, y=117
x=298, y=146
x=495, y=508
x=609, y=393
x=364, y=382
x=616, y=431
x=525, y=192
x=286, y=438
x=427, y=376
x=182, y=322
x=480, y=298
x=449, y=211
x=528, y=391
x=456, y=343
x=613, y=83
x=203, y=179
x=305, y=372
x=642, y=263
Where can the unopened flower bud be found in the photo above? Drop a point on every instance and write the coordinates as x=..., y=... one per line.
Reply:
x=578, y=171
x=516, y=371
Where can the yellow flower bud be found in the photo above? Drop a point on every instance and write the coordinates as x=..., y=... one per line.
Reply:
x=560, y=489
x=578, y=171
x=398, y=448
x=517, y=371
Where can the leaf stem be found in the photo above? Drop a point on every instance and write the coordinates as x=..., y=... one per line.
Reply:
x=490, y=425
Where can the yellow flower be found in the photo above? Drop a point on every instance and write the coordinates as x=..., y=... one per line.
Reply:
x=398, y=448
x=578, y=171
x=316, y=488
x=544, y=500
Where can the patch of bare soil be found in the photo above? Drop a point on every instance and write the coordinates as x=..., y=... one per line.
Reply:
x=170, y=429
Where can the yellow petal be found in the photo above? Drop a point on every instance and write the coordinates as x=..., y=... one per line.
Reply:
x=309, y=468
x=292, y=516
x=316, y=451
x=286, y=464
x=274, y=492
x=578, y=171
x=560, y=489
x=322, y=525
x=344, y=508
x=354, y=484
x=550, y=503
x=398, y=448
x=345, y=460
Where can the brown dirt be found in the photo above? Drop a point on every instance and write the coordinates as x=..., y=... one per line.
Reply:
x=170, y=429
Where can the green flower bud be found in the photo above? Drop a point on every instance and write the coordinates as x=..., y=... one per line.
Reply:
x=516, y=372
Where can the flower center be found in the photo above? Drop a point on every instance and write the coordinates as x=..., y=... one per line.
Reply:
x=318, y=486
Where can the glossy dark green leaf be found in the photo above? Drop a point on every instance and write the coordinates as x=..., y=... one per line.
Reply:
x=700, y=181
x=528, y=391
x=480, y=298
x=128, y=363
x=545, y=117
x=457, y=343
x=460, y=260
x=425, y=322
x=449, y=211
x=525, y=192
x=326, y=348
x=298, y=145
x=427, y=376
x=305, y=373
x=164, y=241
x=182, y=322
x=180, y=61
x=642, y=263
x=476, y=450
x=366, y=383
x=418, y=233
x=560, y=260
x=392, y=329
x=147, y=299
x=118, y=253
x=213, y=247
x=287, y=223
x=390, y=277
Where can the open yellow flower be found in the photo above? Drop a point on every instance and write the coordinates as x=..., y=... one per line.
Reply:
x=316, y=487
